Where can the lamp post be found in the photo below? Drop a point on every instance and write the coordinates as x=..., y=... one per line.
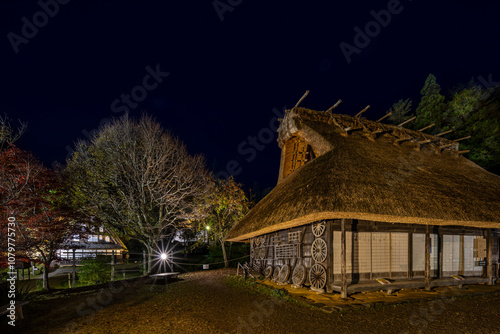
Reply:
x=206, y=233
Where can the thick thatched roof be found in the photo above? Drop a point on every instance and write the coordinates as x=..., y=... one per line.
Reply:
x=368, y=170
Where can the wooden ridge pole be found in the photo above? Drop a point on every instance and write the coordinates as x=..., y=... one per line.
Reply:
x=443, y=133
x=384, y=117
x=302, y=98
x=464, y=138
x=334, y=106
x=362, y=111
x=428, y=126
x=407, y=121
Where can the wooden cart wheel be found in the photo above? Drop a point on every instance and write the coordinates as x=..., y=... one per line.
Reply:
x=318, y=229
x=284, y=274
x=276, y=273
x=317, y=276
x=319, y=250
x=299, y=275
x=268, y=272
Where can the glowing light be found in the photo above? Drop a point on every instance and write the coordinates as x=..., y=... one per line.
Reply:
x=208, y=227
x=163, y=256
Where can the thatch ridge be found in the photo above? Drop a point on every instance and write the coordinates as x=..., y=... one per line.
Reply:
x=375, y=180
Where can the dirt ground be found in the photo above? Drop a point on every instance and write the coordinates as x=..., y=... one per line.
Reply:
x=203, y=302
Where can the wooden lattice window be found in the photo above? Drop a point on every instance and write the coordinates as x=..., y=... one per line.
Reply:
x=297, y=153
x=294, y=237
x=288, y=251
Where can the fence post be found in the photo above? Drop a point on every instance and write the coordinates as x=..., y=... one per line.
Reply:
x=112, y=265
x=74, y=269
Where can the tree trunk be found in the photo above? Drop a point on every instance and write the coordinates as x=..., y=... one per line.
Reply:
x=45, y=277
x=226, y=262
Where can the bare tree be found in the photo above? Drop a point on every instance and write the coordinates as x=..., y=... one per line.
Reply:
x=139, y=180
x=9, y=135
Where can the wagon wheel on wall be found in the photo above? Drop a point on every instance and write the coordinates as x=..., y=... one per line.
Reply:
x=299, y=275
x=318, y=229
x=268, y=272
x=284, y=274
x=276, y=273
x=317, y=276
x=319, y=250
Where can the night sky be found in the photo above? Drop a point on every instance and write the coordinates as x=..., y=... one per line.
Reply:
x=225, y=77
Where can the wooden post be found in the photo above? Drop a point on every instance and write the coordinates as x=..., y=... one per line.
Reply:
x=329, y=257
x=489, y=260
x=73, y=277
x=343, y=259
x=440, y=254
x=427, y=258
x=410, y=255
x=144, y=271
x=113, y=265
x=69, y=280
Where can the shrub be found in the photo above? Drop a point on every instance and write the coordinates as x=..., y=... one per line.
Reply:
x=95, y=271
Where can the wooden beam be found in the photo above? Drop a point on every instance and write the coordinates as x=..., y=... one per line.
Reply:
x=428, y=126
x=343, y=268
x=384, y=117
x=302, y=98
x=464, y=138
x=329, y=257
x=490, y=273
x=463, y=152
x=422, y=142
x=427, y=258
x=362, y=111
x=334, y=106
x=400, y=140
x=410, y=255
x=445, y=146
x=443, y=133
x=407, y=121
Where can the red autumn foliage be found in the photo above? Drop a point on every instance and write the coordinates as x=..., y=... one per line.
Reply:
x=34, y=196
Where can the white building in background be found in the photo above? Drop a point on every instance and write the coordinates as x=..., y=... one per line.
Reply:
x=98, y=242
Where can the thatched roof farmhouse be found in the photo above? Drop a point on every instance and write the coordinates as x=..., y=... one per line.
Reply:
x=354, y=194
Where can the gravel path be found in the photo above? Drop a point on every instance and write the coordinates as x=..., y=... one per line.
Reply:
x=203, y=302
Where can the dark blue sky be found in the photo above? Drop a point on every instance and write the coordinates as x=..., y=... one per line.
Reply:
x=226, y=77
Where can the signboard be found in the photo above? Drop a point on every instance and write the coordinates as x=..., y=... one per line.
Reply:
x=480, y=263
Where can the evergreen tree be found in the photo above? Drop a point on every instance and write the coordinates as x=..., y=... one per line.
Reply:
x=400, y=111
x=432, y=107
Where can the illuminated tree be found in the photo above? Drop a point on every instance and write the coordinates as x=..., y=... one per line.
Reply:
x=138, y=179
x=226, y=205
